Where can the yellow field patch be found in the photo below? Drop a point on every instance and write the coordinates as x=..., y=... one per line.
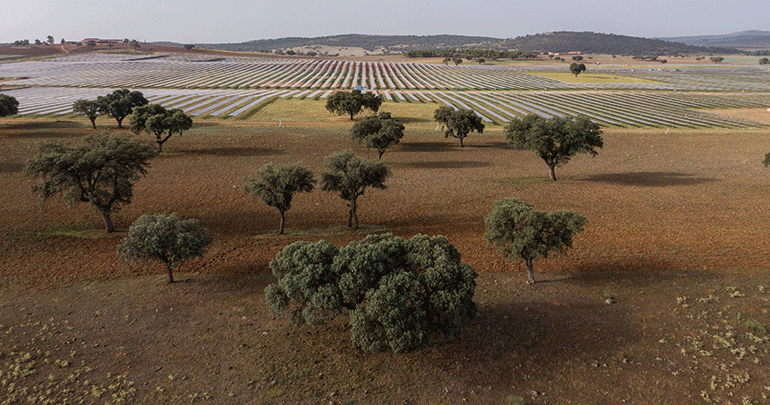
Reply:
x=590, y=77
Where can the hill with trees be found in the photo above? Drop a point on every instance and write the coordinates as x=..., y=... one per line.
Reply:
x=745, y=40
x=557, y=42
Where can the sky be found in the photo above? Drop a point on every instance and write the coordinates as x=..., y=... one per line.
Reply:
x=231, y=21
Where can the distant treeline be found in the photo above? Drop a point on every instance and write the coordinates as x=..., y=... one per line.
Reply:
x=490, y=54
x=759, y=53
x=554, y=42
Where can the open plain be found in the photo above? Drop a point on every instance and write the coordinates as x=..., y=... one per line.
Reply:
x=662, y=299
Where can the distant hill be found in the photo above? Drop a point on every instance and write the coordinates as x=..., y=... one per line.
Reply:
x=598, y=43
x=746, y=40
x=561, y=42
x=371, y=43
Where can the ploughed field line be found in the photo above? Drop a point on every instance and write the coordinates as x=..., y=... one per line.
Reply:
x=236, y=87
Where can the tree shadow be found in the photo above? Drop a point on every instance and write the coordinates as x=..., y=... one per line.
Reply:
x=31, y=125
x=410, y=120
x=235, y=151
x=650, y=179
x=426, y=146
x=8, y=167
x=446, y=164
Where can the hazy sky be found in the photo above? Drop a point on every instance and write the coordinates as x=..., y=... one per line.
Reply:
x=199, y=21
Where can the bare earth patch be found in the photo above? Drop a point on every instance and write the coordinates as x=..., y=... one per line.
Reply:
x=677, y=242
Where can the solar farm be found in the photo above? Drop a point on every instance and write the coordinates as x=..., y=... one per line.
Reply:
x=235, y=87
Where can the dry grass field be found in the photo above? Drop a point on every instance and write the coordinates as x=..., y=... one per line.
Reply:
x=677, y=239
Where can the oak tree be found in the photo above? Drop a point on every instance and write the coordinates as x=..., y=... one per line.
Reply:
x=8, y=105
x=378, y=132
x=100, y=172
x=520, y=232
x=555, y=140
x=577, y=68
x=276, y=187
x=349, y=176
x=166, y=238
x=398, y=293
x=121, y=103
x=90, y=108
x=157, y=120
x=458, y=123
x=352, y=102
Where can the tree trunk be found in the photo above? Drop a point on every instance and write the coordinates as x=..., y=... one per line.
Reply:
x=170, y=275
x=381, y=152
x=461, y=142
x=108, y=223
x=120, y=122
x=530, y=272
x=353, y=214
x=160, y=146
x=552, y=172
x=283, y=220
x=93, y=122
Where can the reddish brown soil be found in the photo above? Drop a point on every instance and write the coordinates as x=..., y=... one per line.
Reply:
x=677, y=237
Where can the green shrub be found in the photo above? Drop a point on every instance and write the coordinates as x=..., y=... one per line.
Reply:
x=397, y=292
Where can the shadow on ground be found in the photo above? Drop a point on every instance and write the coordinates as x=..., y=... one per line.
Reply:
x=651, y=179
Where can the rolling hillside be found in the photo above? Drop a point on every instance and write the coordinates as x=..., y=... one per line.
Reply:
x=585, y=42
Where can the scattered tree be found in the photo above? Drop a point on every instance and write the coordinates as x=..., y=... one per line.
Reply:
x=90, y=108
x=457, y=61
x=349, y=176
x=766, y=162
x=352, y=102
x=157, y=120
x=764, y=61
x=555, y=140
x=398, y=293
x=378, y=132
x=63, y=41
x=101, y=172
x=577, y=68
x=50, y=39
x=370, y=101
x=8, y=105
x=135, y=44
x=717, y=59
x=121, y=103
x=165, y=238
x=458, y=123
x=523, y=233
x=276, y=188
x=189, y=46
x=37, y=42
x=577, y=58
